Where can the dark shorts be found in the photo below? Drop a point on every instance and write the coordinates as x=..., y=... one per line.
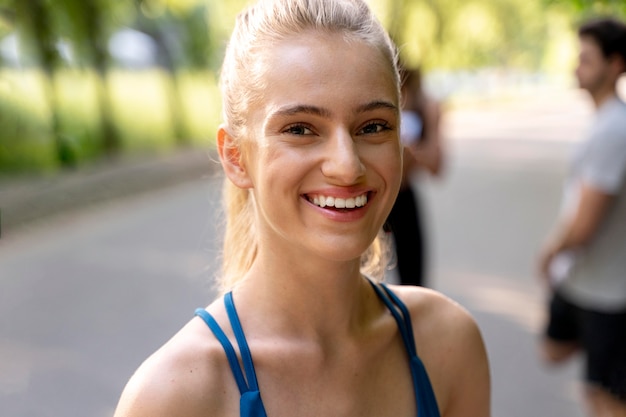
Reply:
x=601, y=336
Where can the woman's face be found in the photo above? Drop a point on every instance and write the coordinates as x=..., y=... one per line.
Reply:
x=323, y=159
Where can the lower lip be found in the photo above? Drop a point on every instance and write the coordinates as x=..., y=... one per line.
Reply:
x=341, y=215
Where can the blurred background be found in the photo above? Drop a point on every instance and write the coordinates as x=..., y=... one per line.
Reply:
x=86, y=80
x=109, y=190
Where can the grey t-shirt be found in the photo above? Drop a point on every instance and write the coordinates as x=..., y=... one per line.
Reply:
x=597, y=279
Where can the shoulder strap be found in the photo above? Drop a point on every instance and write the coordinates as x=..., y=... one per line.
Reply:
x=393, y=303
x=250, y=403
x=228, y=348
x=246, y=356
x=424, y=394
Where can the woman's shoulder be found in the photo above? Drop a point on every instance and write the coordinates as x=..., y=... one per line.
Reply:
x=437, y=319
x=188, y=376
x=425, y=303
x=450, y=344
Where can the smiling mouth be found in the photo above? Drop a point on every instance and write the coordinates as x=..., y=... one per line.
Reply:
x=338, y=203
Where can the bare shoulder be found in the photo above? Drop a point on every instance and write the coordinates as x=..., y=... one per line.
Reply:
x=449, y=342
x=435, y=314
x=186, y=377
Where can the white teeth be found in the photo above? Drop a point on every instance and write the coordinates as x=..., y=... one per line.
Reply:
x=340, y=203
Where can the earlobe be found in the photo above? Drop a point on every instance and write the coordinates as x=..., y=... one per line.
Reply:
x=619, y=64
x=231, y=159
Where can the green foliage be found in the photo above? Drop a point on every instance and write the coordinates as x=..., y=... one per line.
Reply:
x=24, y=132
x=141, y=113
x=80, y=108
x=202, y=105
x=584, y=9
x=461, y=34
x=530, y=35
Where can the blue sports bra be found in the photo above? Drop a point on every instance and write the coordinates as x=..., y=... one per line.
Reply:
x=250, y=402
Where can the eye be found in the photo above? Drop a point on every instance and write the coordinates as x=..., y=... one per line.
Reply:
x=374, y=127
x=298, y=129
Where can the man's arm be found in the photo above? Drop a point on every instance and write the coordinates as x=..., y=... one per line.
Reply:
x=577, y=230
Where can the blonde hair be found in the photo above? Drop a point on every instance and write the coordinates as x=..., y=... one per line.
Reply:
x=241, y=82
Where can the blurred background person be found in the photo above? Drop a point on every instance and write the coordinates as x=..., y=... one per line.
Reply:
x=584, y=260
x=420, y=134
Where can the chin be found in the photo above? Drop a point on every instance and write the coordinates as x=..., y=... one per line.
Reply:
x=345, y=252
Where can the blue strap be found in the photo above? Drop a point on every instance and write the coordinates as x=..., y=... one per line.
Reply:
x=408, y=342
x=408, y=325
x=427, y=402
x=424, y=395
x=246, y=357
x=228, y=348
x=250, y=403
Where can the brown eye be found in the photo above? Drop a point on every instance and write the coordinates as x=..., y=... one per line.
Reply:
x=375, y=127
x=298, y=129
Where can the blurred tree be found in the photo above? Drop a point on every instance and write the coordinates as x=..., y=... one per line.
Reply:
x=7, y=21
x=7, y=18
x=461, y=34
x=181, y=32
x=583, y=9
x=34, y=21
x=49, y=25
x=88, y=24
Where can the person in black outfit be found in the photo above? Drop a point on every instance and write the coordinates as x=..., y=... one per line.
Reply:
x=422, y=152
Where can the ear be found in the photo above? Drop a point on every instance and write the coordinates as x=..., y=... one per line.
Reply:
x=618, y=63
x=230, y=156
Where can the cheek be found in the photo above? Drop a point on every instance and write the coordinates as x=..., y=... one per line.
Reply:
x=279, y=167
x=388, y=161
x=583, y=72
x=395, y=169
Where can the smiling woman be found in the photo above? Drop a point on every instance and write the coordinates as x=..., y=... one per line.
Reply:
x=311, y=153
x=282, y=110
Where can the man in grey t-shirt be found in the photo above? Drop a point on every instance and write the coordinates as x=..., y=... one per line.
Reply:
x=588, y=306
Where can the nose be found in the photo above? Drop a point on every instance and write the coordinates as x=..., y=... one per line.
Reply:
x=342, y=161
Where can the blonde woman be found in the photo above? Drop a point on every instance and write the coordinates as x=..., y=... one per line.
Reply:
x=311, y=153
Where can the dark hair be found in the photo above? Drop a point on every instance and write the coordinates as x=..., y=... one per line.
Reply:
x=608, y=33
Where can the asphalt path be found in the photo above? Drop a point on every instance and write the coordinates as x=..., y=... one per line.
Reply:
x=85, y=297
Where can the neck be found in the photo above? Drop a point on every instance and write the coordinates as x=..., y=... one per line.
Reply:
x=317, y=301
x=603, y=95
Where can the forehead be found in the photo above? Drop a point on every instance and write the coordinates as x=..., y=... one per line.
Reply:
x=589, y=46
x=323, y=66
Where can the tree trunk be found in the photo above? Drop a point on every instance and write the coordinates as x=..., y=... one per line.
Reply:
x=96, y=39
x=34, y=15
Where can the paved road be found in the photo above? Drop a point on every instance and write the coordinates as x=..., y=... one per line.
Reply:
x=85, y=297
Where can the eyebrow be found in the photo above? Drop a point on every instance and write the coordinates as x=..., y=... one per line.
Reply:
x=301, y=108
x=322, y=112
x=375, y=105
